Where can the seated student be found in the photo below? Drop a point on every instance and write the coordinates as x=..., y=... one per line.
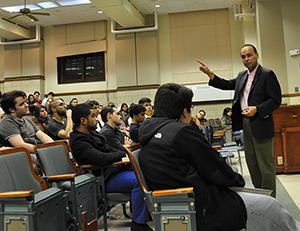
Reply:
x=227, y=124
x=90, y=147
x=115, y=138
x=98, y=108
x=73, y=103
x=30, y=100
x=60, y=124
x=205, y=127
x=124, y=114
x=47, y=100
x=174, y=154
x=37, y=99
x=16, y=129
x=137, y=114
x=146, y=102
x=40, y=118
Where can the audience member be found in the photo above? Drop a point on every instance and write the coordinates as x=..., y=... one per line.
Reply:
x=147, y=104
x=48, y=100
x=174, y=154
x=90, y=147
x=98, y=108
x=31, y=103
x=137, y=114
x=124, y=114
x=30, y=99
x=111, y=104
x=201, y=116
x=38, y=101
x=73, y=103
x=40, y=118
x=115, y=138
x=227, y=124
x=205, y=127
x=60, y=125
x=16, y=129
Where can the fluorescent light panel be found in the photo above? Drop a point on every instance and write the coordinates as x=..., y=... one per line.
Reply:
x=47, y=5
x=18, y=7
x=72, y=2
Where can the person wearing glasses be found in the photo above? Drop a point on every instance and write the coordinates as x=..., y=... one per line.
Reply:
x=60, y=125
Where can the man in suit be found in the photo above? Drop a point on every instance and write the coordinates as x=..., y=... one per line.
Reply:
x=257, y=95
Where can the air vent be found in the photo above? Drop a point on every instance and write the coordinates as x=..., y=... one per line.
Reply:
x=151, y=24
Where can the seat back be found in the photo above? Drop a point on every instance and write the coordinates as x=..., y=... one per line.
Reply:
x=134, y=160
x=17, y=172
x=218, y=123
x=54, y=158
x=82, y=193
x=170, y=209
x=45, y=210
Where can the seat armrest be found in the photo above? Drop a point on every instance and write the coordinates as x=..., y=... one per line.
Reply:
x=12, y=194
x=252, y=190
x=87, y=166
x=90, y=166
x=217, y=147
x=17, y=196
x=219, y=133
x=121, y=163
x=169, y=192
x=63, y=177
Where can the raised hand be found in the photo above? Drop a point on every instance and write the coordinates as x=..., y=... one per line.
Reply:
x=205, y=69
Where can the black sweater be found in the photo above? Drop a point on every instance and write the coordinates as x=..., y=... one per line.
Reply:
x=175, y=155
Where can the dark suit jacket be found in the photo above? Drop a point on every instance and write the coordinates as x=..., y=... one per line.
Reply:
x=265, y=94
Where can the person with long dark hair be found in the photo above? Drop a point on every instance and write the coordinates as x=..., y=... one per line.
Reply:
x=73, y=103
x=40, y=118
x=124, y=113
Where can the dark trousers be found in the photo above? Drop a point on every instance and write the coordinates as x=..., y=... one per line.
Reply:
x=126, y=182
x=260, y=159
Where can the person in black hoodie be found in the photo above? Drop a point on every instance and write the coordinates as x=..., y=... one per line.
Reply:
x=90, y=147
x=175, y=154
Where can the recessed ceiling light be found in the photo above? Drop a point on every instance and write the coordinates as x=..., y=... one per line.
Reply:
x=100, y=12
x=19, y=7
x=157, y=5
x=72, y=2
x=47, y=5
